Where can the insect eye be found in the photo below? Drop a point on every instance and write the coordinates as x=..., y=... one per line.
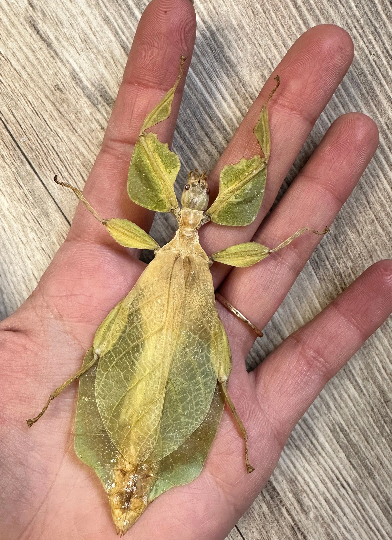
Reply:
x=187, y=186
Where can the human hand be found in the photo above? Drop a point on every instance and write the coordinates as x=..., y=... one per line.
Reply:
x=46, y=490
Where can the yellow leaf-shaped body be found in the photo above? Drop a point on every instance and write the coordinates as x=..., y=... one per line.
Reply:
x=147, y=415
x=155, y=384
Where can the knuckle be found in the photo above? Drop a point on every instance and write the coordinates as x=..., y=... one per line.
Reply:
x=119, y=148
x=312, y=361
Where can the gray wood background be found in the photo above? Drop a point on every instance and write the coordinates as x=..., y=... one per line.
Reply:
x=334, y=478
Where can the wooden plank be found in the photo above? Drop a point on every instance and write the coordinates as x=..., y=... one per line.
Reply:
x=61, y=65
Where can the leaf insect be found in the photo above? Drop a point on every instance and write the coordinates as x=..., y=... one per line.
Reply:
x=153, y=386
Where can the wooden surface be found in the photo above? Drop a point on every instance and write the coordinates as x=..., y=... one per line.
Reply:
x=60, y=68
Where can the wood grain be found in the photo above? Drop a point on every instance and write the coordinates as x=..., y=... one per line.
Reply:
x=61, y=65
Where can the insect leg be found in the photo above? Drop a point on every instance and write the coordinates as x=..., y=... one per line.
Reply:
x=296, y=234
x=240, y=425
x=87, y=364
x=125, y=232
x=250, y=253
x=80, y=196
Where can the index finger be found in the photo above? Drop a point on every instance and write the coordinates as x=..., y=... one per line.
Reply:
x=165, y=32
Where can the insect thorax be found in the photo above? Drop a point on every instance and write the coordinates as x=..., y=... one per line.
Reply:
x=190, y=220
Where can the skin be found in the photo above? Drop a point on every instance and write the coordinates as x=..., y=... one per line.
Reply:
x=46, y=492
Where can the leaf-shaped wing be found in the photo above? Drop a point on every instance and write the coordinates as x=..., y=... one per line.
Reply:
x=186, y=463
x=195, y=342
x=92, y=443
x=94, y=447
x=154, y=385
x=152, y=173
x=241, y=191
x=201, y=340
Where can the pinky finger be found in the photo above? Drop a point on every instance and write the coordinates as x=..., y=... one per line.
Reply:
x=296, y=372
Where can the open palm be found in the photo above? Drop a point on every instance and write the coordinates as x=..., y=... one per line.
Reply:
x=46, y=491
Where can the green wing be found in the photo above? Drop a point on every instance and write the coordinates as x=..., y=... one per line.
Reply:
x=186, y=463
x=193, y=372
x=94, y=447
x=92, y=444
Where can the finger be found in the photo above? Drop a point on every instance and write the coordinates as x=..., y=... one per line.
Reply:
x=300, y=367
x=165, y=32
x=310, y=73
x=313, y=200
